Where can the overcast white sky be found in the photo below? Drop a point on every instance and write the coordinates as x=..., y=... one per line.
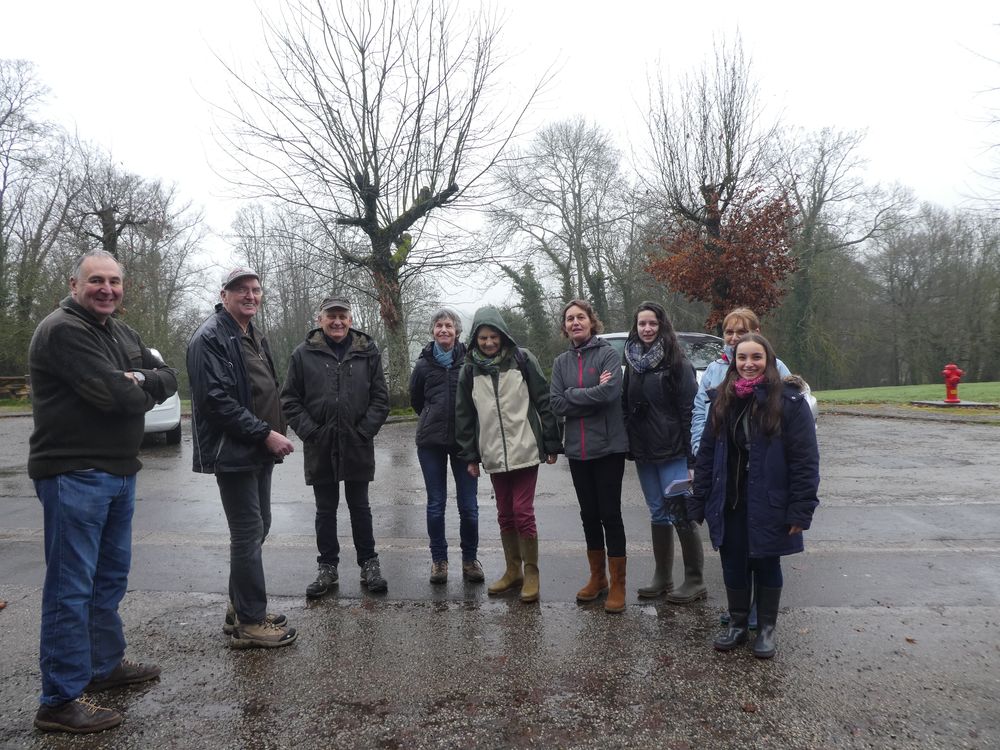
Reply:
x=911, y=73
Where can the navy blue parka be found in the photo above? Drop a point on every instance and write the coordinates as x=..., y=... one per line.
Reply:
x=782, y=482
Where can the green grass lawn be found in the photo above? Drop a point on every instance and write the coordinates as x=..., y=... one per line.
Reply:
x=987, y=392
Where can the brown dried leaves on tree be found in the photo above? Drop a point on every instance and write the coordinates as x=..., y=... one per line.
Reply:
x=744, y=265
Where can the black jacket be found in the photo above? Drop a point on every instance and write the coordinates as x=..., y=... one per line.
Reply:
x=336, y=407
x=88, y=415
x=432, y=396
x=227, y=435
x=658, y=415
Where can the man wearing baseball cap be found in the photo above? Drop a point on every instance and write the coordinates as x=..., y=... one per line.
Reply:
x=239, y=434
x=336, y=400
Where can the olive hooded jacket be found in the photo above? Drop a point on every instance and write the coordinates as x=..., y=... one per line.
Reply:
x=502, y=414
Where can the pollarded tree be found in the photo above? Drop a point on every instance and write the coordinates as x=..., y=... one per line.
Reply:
x=710, y=151
x=742, y=264
x=374, y=116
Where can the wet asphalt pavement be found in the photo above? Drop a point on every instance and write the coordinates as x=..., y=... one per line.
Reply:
x=889, y=635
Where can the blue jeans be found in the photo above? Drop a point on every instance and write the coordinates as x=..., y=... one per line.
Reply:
x=246, y=499
x=654, y=478
x=434, y=464
x=88, y=552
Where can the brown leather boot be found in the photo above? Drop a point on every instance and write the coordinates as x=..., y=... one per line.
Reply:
x=615, y=603
x=598, y=582
x=512, y=575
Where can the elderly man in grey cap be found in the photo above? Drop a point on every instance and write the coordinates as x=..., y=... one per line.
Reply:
x=239, y=434
x=336, y=400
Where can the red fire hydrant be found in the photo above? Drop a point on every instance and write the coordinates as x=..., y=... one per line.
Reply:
x=951, y=377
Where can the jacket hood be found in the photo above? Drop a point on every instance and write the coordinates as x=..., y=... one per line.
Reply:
x=361, y=343
x=488, y=316
x=595, y=341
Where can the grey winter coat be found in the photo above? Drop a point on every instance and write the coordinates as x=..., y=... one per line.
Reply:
x=594, y=424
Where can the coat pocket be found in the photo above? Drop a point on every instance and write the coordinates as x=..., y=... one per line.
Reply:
x=777, y=498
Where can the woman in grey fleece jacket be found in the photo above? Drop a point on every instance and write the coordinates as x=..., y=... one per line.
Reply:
x=587, y=390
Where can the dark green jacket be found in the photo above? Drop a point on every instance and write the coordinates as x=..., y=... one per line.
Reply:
x=336, y=406
x=88, y=415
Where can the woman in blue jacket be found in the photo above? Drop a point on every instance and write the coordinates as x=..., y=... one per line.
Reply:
x=756, y=481
x=432, y=396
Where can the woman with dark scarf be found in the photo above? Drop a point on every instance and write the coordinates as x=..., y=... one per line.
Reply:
x=756, y=481
x=657, y=395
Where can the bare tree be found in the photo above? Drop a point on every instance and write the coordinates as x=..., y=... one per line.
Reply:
x=565, y=198
x=708, y=138
x=838, y=214
x=373, y=115
x=710, y=149
x=112, y=200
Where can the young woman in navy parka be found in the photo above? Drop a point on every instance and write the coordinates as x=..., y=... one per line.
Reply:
x=756, y=479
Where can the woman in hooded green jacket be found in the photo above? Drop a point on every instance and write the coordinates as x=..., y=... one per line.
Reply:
x=503, y=421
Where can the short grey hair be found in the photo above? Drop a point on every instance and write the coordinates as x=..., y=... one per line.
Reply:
x=446, y=312
x=94, y=254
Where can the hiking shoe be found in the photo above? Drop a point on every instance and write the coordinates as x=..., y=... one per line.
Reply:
x=472, y=571
x=326, y=577
x=229, y=626
x=262, y=635
x=439, y=571
x=371, y=575
x=126, y=673
x=79, y=717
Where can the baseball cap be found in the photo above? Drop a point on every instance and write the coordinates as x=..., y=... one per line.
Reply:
x=331, y=303
x=236, y=274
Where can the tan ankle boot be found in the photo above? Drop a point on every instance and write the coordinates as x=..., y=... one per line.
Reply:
x=598, y=582
x=529, y=553
x=615, y=603
x=512, y=575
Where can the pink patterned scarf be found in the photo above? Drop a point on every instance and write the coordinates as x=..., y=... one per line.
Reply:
x=743, y=387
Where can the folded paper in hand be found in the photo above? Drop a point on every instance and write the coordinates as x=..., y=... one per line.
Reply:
x=677, y=487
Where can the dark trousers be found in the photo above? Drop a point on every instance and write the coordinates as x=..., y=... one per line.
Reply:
x=598, y=484
x=327, y=501
x=246, y=498
x=735, y=555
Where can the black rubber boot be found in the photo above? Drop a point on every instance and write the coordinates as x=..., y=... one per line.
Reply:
x=739, y=611
x=693, y=587
x=765, y=645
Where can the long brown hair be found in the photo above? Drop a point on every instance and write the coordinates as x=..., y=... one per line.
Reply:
x=673, y=354
x=770, y=418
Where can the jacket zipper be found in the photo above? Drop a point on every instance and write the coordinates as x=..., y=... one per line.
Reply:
x=503, y=433
x=583, y=432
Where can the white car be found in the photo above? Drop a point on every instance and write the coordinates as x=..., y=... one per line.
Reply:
x=165, y=417
x=701, y=349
